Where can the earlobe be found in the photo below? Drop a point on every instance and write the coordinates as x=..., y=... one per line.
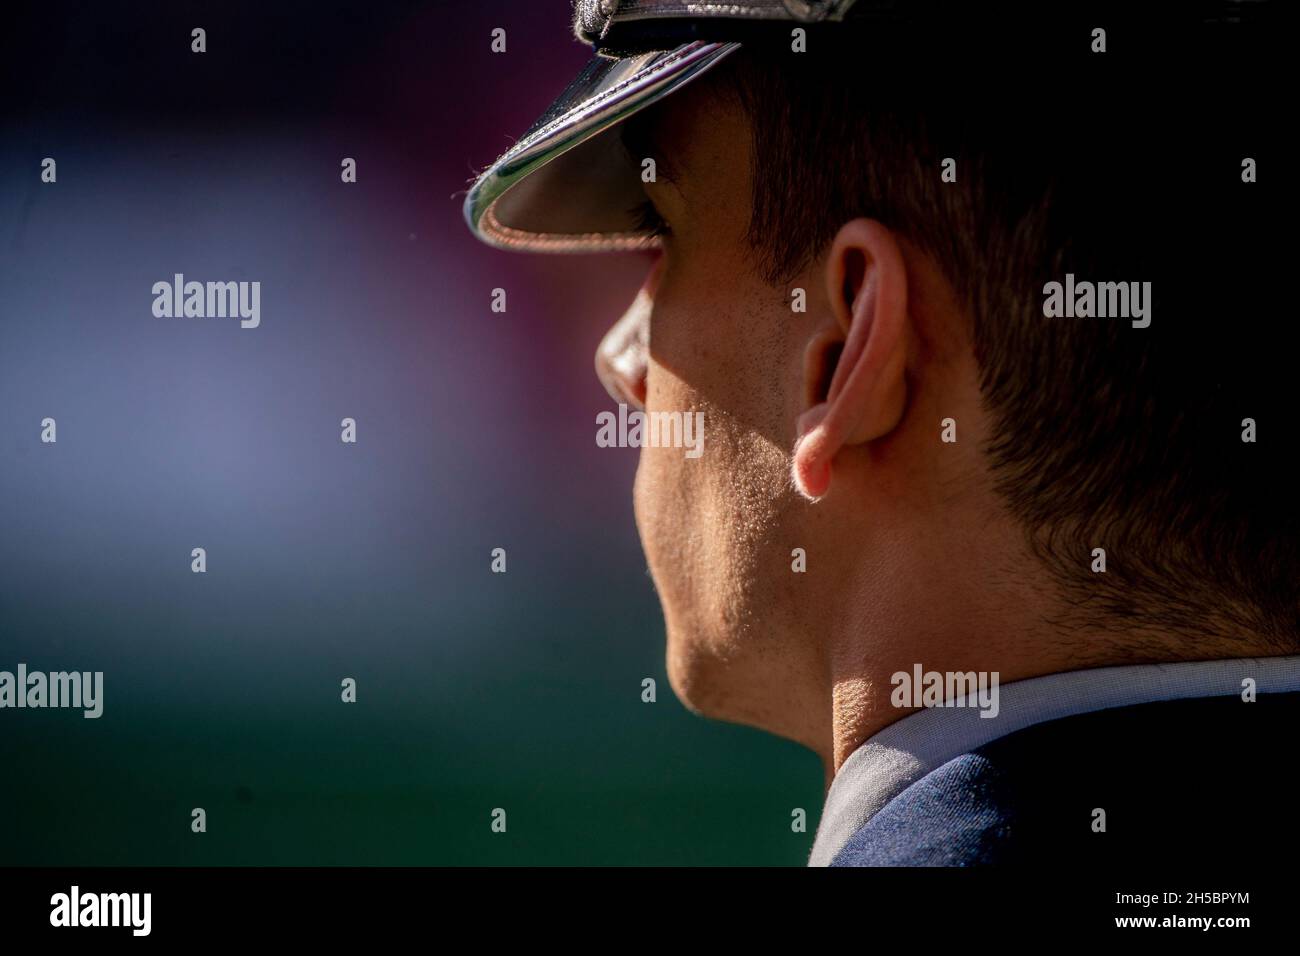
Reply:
x=811, y=468
x=866, y=284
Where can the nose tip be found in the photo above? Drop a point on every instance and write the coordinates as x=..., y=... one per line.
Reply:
x=623, y=354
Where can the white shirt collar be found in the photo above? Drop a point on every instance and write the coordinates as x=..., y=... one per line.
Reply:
x=908, y=749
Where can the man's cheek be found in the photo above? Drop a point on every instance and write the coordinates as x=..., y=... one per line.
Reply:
x=654, y=510
x=654, y=484
x=666, y=499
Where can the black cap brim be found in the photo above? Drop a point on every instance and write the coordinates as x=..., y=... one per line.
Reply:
x=568, y=185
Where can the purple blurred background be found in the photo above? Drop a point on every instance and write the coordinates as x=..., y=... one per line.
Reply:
x=325, y=560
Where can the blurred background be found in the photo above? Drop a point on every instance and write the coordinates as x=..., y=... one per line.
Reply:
x=476, y=430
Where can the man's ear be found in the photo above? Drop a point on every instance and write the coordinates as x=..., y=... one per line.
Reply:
x=866, y=285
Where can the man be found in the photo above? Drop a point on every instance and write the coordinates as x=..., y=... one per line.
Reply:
x=977, y=314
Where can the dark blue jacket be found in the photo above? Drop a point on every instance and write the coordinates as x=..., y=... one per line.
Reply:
x=1202, y=781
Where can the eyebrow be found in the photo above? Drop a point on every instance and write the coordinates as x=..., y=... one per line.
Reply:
x=640, y=138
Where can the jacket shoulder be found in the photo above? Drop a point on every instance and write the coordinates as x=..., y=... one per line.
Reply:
x=1194, y=781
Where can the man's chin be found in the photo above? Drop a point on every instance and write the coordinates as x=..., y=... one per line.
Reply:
x=692, y=676
x=707, y=683
x=729, y=687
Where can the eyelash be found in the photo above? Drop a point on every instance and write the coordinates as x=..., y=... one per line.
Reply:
x=649, y=221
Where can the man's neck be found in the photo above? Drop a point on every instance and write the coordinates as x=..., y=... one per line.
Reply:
x=866, y=701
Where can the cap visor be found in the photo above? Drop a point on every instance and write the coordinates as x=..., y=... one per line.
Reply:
x=568, y=185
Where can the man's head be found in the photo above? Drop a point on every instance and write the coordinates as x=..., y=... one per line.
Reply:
x=831, y=533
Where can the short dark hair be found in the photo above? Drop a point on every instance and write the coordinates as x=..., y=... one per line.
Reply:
x=1105, y=435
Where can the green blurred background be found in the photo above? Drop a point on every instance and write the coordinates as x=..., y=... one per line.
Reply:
x=475, y=691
